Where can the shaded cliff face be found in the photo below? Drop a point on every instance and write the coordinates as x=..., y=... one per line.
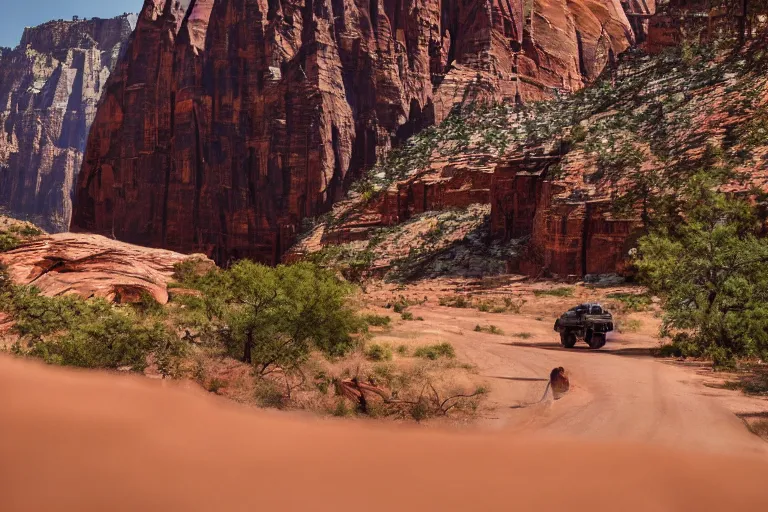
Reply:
x=229, y=121
x=50, y=86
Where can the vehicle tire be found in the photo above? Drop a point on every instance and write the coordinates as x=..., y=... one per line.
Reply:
x=567, y=339
x=597, y=341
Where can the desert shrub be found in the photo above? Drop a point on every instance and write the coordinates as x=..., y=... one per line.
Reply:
x=343, y=409
x=215, y=385
x=432, y=404
x=25, y=230
x=489, y=329
x=148, y=305
x=88, y=333
x=8, y=242
x=323, y=382
x=670, y=350
x=632, y=301
x=436, y=351
x=402, y=350
x=377, y=320
x=377, y=352
x=185, y=271
x=565, y=291
x=523, y=335
x=508, y=305
x=456, y=301
x=407, y=315
x=191, y=271
x=485, y=306
x=36, y=315
x=270, y=394
x=351, y=262
x=420, y=410
x=513, y=305
x=5, y=281
x=13, y=237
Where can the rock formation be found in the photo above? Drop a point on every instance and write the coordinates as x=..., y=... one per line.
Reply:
x=50, y=86
x=230, y=121
x=94, y=266
x=566, y=184
x=568, y=236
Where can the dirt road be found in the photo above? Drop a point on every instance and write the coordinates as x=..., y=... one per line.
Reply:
x=88, y=441
x=619, y=393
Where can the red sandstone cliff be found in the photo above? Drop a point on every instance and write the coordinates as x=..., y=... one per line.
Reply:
x=560, y=184
x=94, y=266
x=50, y=86
x=229, y=121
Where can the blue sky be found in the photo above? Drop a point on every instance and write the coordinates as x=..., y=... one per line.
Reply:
x=17, y=14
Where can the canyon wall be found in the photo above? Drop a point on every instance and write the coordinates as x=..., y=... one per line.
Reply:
x=50, y=86
x=229, y=121
x=576, y=237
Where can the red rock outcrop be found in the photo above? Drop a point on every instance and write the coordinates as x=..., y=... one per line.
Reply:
x=229, y=121
x=50, y=86
x=94, y=266
x=639, y=12
x=569, y=236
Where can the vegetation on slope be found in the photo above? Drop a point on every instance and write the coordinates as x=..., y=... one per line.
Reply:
x=289, y=336
x=649, y=104
x=642, y=131
x=13, y=233
x=87, y=333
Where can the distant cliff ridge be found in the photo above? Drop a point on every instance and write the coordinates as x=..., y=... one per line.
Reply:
x=50, y=86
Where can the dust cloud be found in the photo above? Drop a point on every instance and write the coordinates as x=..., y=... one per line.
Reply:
x=87, y=441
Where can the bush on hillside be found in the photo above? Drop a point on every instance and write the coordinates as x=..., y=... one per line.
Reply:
x=377, y=352
x=273, y=317
x=711, y=270
x=12, y=237
x=90, y=333
x=377, y=320
x=436, y=351
x=8, y=242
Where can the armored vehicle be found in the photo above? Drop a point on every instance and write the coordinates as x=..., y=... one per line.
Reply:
x=588, y=322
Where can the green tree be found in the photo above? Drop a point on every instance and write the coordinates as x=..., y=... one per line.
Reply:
x=711, y=269
x=274, y=317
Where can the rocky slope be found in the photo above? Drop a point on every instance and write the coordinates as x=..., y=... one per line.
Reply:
x=559, y=188
x=229, y=121
x=50, y=86
x=94, y=266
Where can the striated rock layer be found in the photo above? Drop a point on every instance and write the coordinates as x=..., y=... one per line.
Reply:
x=94, y=266
x=50, y=86
x=229, y=121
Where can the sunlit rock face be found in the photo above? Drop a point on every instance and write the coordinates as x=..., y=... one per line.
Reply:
x=50, y=87
x=229, y=121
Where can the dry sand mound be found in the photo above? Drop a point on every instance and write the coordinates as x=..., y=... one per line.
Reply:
x=91, y=441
